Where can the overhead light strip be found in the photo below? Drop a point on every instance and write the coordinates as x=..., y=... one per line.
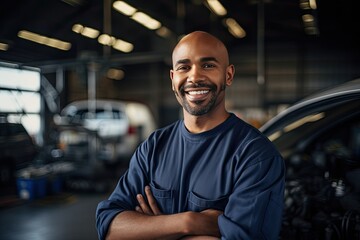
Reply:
x=142, y=18
x=217, y=7
x=4, y=46
x=124, y=8
x=85, y=31
x=103, y=39
x=47, y=41
x=146, y=20
x=234, y=28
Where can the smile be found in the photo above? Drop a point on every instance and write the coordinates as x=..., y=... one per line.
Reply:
x=198, y=92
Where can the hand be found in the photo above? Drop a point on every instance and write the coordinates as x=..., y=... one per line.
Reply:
x=148, y=207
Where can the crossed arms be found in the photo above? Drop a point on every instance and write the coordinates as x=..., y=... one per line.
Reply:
x=148, y=222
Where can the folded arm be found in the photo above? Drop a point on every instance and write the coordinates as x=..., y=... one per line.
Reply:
x=147, y=222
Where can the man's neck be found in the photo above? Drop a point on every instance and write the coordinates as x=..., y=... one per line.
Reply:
x=198, y=124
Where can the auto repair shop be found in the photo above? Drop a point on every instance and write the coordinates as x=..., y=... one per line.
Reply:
x=84, y=82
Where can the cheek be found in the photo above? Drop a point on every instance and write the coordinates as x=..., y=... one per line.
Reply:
x=176, y=82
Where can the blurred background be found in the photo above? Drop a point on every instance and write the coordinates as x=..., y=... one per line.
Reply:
x=83, y=82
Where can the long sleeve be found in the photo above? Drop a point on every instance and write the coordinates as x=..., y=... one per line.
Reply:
x=255, y=207
x=124, y=195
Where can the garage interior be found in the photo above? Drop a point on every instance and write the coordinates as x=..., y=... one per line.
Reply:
x=283, y=51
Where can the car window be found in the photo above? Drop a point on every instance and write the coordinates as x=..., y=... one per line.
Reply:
x=298, y=133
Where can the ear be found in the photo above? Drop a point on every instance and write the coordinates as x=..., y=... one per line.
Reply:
x=230, y=72
x=172, y=77
x=171, y=74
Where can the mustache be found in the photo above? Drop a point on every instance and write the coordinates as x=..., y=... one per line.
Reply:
x=183, y=88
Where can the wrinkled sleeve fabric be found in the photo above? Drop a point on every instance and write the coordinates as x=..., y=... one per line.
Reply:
x=255, y=207
x=124, y=195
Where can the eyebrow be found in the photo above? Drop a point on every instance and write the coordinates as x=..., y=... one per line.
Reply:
x=203, y=59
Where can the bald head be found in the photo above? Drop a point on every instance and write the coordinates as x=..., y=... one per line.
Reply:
x=204, y=42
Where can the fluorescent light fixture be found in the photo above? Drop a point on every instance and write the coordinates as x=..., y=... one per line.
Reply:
x=146, y=20
x=90, y=32
x=123, y=46
x=307, y=18
x=50, y=42
x=4, y=46
x=308, y=4
x=116, y=74
x=106, y=39
x=313, y=4
x=163, y=32
x=217, y=7
x=85, y=31
x=234, y=28
x=141, y=18
x=78, y=28
x=124, y=8
x=117, y=44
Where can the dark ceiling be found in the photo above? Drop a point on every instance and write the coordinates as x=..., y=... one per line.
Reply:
x=335, y=21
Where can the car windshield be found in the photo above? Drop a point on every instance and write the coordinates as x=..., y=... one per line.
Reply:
x=311, y=124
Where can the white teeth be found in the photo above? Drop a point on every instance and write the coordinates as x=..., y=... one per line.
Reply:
x=198, y=92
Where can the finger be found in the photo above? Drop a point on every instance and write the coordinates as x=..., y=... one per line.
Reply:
x=138, y=209
x=212, y=212
x=144, y=205
x=152, y=202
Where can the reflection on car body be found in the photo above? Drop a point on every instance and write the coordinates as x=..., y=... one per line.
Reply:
x=319, y=138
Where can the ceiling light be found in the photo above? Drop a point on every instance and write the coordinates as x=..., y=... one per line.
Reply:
x=90, y=32
x=106, y=39
x=307, y=18
x=116, y=74
x=51, y=42
x=312, y=4
x=117, y=44
x=234, y=28
x=217, y=7
x=78, y=28
x=146, y=20
x=85, y=31
x=163, y=32
x=124, y=8
x=123, y=46
x=308, y=4
x=4, y=46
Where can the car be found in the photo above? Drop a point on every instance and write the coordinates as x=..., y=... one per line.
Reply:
x=103, y=130
x=319, y=139
x=17, y=151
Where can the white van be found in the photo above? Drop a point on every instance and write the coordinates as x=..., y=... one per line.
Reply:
x=106, y=130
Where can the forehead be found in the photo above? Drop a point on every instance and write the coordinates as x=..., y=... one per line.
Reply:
x=195, y=48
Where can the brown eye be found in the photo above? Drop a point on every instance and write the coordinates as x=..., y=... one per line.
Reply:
x=208, y=65
x=183, y=67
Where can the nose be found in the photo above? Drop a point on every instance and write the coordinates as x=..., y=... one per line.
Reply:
x=195, y=75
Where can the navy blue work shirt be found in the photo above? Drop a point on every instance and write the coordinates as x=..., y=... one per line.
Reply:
x=232, y=168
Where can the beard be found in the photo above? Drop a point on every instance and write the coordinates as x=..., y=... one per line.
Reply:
x=200, y=107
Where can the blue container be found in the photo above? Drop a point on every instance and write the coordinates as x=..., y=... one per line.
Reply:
x=55, y=184
x=31, y=188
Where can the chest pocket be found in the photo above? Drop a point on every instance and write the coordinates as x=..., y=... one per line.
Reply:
x=198, y=204
x=164, y=199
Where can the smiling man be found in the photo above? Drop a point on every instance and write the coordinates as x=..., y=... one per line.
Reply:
x=208, y=176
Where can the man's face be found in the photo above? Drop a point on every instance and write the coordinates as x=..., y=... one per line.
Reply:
x=199, y=76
